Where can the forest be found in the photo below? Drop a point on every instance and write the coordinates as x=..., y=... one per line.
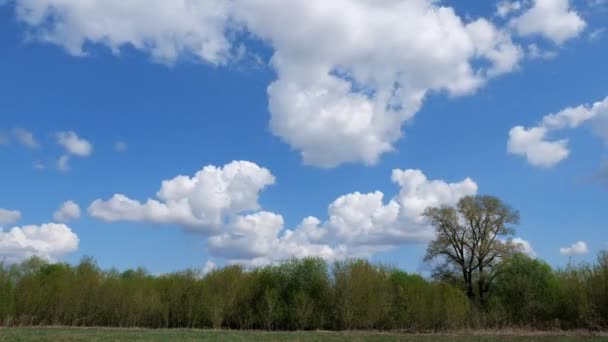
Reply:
x=302, y=294
x=480, y=280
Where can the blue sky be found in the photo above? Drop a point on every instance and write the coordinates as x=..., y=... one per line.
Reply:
x=185, y=88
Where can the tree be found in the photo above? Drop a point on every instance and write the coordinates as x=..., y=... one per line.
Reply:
x=527, y=289
x=473, y=238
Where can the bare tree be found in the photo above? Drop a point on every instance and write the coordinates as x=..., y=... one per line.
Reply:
x=473, y=238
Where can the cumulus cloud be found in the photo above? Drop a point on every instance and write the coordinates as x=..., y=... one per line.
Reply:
x=25, y=137
x=539, y=150
x=49, y=241
x=505, y=8
x=358, y=225
x=202, y=202
x=222, y=203
x=524, y=246
x=73, y=146
x=532, y=144
x=552, y=19
x=579, y=248
x=67, y=212
x=9, y=216
x=342, y=94
x=164, y=29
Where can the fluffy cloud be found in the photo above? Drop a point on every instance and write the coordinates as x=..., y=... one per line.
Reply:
x=73, y=146
x=533, y=144
x=579, y=248
x=49, y=241
x=504, y=8
x=9, y=216
x=67, y=212
x=202, y=202
x=525, y=247
x=25, y=137
x=164, y=29
x=222, y=202
x=552, y=19
x=343, y=93
x=358, y=225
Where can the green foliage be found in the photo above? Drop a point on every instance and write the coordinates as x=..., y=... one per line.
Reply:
x=527, y=290
x=301, y=294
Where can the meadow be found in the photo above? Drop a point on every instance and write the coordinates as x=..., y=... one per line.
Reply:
x=104, y=334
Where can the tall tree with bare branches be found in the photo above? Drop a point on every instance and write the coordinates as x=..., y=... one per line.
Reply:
x=472, y=241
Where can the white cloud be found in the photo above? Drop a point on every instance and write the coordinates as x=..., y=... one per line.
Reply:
x=164, y=29
x=25, y=137
x=223, y=204
x=552, y=19
x=579, y=248
x=525, y=247
x=536, y=52
x=67, y=212
x=202, y=202
x=120, y=146
x=351, y=73
x=74, y=145
x=9, y=216
x=533, y=144
x=343, y=92
x=358, y=225
x=505, y=8
x=49, y=241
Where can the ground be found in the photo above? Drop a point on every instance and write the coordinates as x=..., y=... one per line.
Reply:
x=95, y=334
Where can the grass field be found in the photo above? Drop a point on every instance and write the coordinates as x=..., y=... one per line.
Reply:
x=92, y=334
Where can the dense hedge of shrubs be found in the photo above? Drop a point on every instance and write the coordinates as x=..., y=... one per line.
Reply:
x=301, y=294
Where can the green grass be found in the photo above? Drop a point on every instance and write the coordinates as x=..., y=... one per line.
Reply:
x=92, y=334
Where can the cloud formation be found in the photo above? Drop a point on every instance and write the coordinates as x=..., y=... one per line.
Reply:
x=551, y=19
x=73, y=146
x=222, y=203
x=164, y=29
x=202, y=202
x=9, y=216
x=25, y=137
x=49, y=241
x=539, y=150
x=342, y=93
x=67, y=212
x=578, y=248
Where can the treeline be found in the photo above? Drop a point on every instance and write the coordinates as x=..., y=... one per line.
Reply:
x=302, y=294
